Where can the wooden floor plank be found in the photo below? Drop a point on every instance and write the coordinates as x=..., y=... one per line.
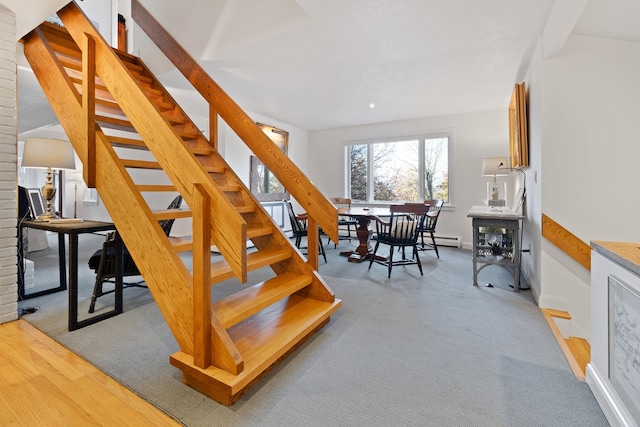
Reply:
x=578, y=368
x=43, y=383
x=581, y=351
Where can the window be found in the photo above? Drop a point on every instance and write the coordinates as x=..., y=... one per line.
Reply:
x=408, y=170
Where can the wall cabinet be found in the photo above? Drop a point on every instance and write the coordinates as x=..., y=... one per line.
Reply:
x=613, y=374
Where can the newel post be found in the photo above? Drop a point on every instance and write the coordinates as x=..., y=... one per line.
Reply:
x=202, y=349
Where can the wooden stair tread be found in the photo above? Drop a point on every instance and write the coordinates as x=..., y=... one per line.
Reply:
x=118, y=141
x=185, y=243
x=578, y=370
x=202, y=151
x=221, y=271
x=241, y=305
x=581, y=351
x=172, y=213
x=156, y=188
x=115, y=123
x=140, y=164
x=182, y=243
x=258, y=231
x=557, y=313
x=230, y=188
x=261, y=340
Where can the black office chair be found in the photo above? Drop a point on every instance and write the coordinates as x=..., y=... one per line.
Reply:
x=103, y=261
x=299, y=229
x=401, y=231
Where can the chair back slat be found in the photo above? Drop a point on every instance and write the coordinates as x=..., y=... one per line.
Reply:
x=298, y=227
x=403, y=226
x=435, y=206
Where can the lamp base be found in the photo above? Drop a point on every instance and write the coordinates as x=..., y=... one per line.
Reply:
x=496, y=193
x=47, y=216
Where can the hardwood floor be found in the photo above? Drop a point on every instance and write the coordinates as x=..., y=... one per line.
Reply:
x=43, y=383
x=576, y=350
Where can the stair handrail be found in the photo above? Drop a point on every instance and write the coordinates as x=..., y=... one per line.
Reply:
x=228, y=227
x=315, y=204
x=566, y=241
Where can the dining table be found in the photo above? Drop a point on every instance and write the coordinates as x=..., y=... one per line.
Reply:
x=364, y=216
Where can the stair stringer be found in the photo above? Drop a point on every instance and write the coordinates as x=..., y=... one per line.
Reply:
x=228, y=227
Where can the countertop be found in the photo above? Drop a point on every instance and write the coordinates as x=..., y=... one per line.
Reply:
x=627, y=254
x=501, y=212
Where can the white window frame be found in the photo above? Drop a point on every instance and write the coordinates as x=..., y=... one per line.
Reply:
x=421, y=170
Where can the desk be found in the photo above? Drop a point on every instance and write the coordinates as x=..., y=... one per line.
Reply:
x=364, y=217
x=496, y=240
x=73, y=229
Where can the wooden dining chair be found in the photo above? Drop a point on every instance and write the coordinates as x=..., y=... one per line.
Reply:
x=299, y=228
x=429, y=226
x=401, y=231
x=343, y=221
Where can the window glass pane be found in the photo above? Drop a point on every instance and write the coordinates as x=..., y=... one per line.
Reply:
x=358, y=171
x=395, y=171
x=436, y=169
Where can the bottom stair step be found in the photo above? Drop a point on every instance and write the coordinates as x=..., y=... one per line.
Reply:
x=262, y=341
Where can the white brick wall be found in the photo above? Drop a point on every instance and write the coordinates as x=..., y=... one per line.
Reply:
x=8, y=168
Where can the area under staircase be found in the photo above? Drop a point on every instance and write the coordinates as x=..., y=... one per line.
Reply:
x=135, y=144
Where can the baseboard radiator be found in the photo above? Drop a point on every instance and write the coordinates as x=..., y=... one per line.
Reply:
x=451, y=241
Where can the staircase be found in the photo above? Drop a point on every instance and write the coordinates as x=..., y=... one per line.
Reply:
x=136, y=144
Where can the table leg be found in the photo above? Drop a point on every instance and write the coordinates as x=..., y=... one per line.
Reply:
x=62, y=261
x=363, y=251
x=73, y=278
x=74, y=323
x=475, y=255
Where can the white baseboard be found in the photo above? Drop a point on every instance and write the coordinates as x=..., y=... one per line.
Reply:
x=616, y=414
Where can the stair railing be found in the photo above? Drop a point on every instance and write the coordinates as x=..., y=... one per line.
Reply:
x=315, y=204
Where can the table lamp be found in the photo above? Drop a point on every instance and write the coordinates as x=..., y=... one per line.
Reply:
x=45, y=153
x=495, y=166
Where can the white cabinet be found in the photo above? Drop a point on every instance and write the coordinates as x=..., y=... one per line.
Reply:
x=613, y=373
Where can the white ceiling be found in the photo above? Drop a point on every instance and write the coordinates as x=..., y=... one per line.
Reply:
x=318, y=64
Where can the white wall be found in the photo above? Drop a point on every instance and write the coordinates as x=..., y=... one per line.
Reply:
x=8, y=169
x=101, y=13
x=475, y=136
x=532, y=225
x=589, y=148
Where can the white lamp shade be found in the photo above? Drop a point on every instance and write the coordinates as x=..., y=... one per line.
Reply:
x=48, y=153
x=495, y=166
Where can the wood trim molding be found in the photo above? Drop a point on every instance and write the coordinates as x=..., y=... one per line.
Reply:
x=566, y=241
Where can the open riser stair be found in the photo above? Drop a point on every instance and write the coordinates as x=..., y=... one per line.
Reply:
x=139, y=149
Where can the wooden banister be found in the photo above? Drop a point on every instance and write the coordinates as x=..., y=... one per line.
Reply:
x=202, y=350
x=566, y=241
x=292, y=178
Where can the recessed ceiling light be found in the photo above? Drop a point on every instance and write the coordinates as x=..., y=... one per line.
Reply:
x=372, y=105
